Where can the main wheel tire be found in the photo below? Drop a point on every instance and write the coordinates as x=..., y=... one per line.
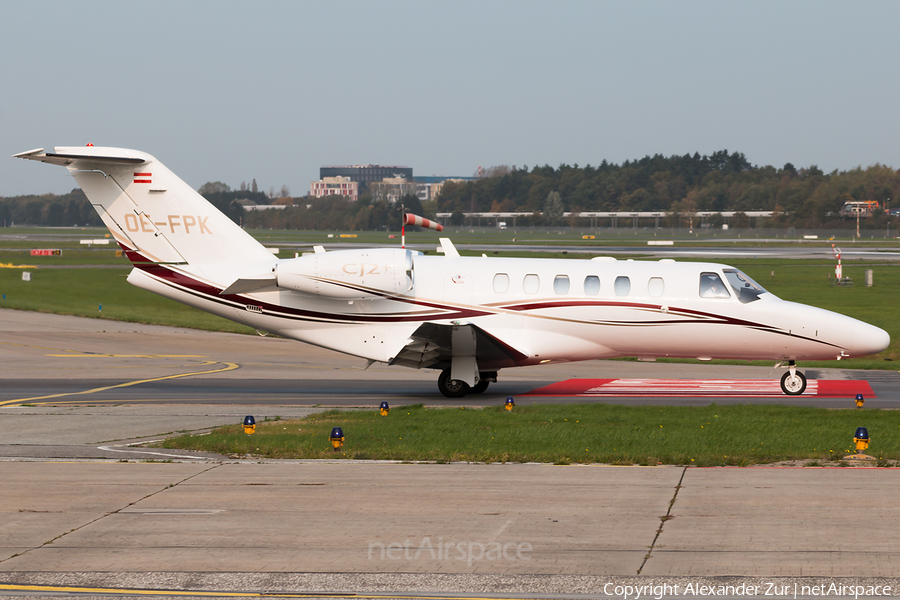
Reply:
x=481, y=386
x=793, y=386
x=452, y=388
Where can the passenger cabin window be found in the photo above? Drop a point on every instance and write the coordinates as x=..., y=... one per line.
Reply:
x=712, y=286
x=531, y=283
x=501, y=283
x=622, y=286
x=561, y=284
x=745, y=288
x=591, y=285
x=656, y=287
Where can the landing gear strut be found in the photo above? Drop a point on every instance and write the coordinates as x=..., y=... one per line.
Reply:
x=793, y=383
x=485, y=378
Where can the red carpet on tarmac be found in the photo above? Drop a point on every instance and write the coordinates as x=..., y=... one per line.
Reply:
x=750, y=388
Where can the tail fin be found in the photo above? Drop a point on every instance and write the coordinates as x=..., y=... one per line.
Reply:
x=154, y=215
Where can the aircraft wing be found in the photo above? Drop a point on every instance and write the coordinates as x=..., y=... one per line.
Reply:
x=431, y=346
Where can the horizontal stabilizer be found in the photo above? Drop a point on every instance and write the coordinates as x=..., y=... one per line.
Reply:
x=243, y=286
x=71, y=155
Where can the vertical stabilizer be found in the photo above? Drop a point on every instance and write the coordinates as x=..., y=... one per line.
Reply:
x=150, y=211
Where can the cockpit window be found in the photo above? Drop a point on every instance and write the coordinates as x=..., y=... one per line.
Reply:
x=745, y=288
x=712, y=286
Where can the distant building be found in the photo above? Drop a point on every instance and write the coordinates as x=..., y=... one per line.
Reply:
x=252, y=207
x=382, y=181
x=429, y=190
x=366, y=174
x=392, y=188
x=335, y=186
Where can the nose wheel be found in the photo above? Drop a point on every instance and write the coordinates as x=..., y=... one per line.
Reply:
x=793, y=383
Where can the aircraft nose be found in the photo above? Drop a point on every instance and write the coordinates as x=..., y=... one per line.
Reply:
x=868, y=339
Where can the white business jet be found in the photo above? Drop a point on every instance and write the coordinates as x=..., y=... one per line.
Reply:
x=467, y=317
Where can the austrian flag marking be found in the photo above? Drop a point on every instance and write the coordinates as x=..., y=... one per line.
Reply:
x=142, y=177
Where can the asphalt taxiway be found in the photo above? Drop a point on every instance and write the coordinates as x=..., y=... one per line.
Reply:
x=58, y=360
x=81, y=506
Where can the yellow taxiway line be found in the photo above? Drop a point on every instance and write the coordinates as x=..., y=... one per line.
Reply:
x=89, y=355
x=139, y=592
x=228, y=367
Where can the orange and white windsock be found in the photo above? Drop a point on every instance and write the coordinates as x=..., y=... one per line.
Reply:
x=411, y=219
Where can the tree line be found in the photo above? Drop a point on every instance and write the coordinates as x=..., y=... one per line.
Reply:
x=722, y=181
x=679, y=185
x=333, y=212
x=51, y=210
x=74, y=209
x=336, y=212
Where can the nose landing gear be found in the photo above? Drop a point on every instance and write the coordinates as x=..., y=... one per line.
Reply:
x=793, y=383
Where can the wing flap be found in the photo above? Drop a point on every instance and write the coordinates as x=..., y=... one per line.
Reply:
x=431, y=347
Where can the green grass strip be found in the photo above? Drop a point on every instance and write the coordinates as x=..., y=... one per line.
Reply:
x=575, y=433
x=101, y=293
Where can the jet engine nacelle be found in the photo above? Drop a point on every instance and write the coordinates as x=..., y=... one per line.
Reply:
x=349, y=274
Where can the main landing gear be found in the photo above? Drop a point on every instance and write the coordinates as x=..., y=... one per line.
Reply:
x=454, y=388
x=793, y=383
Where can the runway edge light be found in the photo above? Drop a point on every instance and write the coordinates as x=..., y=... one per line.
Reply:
x=510, y=403
x=337, y=438
x=249, y=424
x=861, y=438
x=384, y=409
x=860, y=401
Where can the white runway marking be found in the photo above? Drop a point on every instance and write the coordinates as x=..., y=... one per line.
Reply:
x=108, y=449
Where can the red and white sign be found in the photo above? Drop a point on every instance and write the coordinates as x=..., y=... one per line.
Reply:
x=142, y=177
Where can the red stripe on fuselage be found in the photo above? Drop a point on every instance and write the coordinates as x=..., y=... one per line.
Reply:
x=211, y=293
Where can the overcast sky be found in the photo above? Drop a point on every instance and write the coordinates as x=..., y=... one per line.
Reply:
x=230, y=91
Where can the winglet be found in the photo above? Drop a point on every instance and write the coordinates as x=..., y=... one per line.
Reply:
x=449, y=249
